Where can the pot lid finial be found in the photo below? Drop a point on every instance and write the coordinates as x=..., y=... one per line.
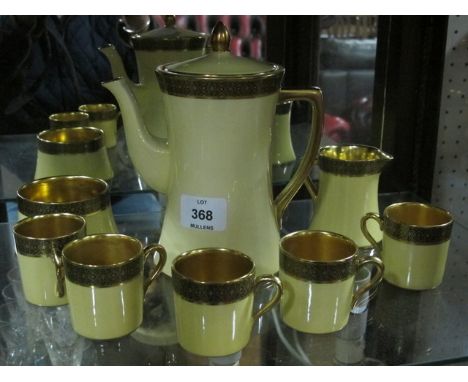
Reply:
x=220, y=38
x=169, y=21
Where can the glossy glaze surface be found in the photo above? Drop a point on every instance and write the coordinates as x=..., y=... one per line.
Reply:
x=413, y=266
x=342, y=201
x=39, y=281
x=315, y=307
x=213, y=330
x=105, y=313
x=94, y=164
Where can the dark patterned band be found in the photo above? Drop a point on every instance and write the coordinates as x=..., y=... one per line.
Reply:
x=190, y=43
x=68, y=119
x=83, y=207
x=317, y=272
x=100, y=112
x=417, y=234
x=213, y=293
x=102, y=276
x=50, y=146
x=219, y=86
x=32, y=247
x=339, y=160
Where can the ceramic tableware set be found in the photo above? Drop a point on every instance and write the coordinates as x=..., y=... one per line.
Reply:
x=200, y=131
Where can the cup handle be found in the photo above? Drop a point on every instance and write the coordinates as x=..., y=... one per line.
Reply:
x=151, y=249
x=268, y=279
x=301, y=176
x=60, y=275
x=374, y=281
x=365, y=231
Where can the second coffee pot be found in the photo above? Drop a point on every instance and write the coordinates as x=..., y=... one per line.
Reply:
x=215, y=165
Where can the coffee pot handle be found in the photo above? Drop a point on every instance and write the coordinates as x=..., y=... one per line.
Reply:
x=301, y=176
x=365, y=231
x=272, y=280
x=374, y=281
x=149, y=250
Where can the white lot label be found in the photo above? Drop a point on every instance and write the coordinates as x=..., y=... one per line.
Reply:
x=208, y=214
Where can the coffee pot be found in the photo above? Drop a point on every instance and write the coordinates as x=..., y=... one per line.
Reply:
x=348, y=190
x=153, y=48
x=215, y=165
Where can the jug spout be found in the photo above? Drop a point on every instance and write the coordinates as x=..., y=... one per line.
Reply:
x=115, y=61
x=149, y=155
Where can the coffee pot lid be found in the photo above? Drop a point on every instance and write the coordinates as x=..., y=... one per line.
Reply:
x=220, y=74
x=170, y=37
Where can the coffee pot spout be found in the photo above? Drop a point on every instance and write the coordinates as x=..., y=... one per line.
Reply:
x=144, y=149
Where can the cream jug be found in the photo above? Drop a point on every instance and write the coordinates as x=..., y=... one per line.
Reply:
x=349, y=179
x=153, y=48
x=215, y=165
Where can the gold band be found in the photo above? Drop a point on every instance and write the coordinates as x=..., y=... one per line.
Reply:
x=100, y=111
x=68, y=119
x=235, y=279
x=417, y=223
x=318, y=256
x=80, y=195
x=70, y=140
x=46, y=235
x=352, y=160
x=219, y=86
x=103, y=260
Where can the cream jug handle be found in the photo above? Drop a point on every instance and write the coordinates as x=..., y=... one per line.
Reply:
x=365, y=231
x=269, y=279
x=151, y=249
x=301, y=176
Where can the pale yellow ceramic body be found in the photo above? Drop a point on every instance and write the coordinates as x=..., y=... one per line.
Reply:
x=315, y=308
x=342, y=202
x=39, y=280
x=109, y=127
x=412, y=266
x=213, y=330
x=282, y=151
x=97, y=222
x=148, y=92
x=105, y=313
x=227, y=160
x=94, y=164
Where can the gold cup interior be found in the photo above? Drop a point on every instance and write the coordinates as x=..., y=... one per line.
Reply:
x=70, y=135
x=64, y=189
x=213, y=265
x=418, y=214
x=102, y=250
x=71, y=116
x=318, y=246
x=98, y=108
x=49, y=226
x=354, y=153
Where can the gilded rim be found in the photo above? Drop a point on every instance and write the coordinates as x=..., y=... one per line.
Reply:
x=212, y=293
x=329, y=160
x=313, y=270
x=100, y=111
x=179, y=43
x=33, y=246
x=102, y=276
x=417, y=234
x=219, y=86
x=68, y=119
x=70, y=140
x=30, y=205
